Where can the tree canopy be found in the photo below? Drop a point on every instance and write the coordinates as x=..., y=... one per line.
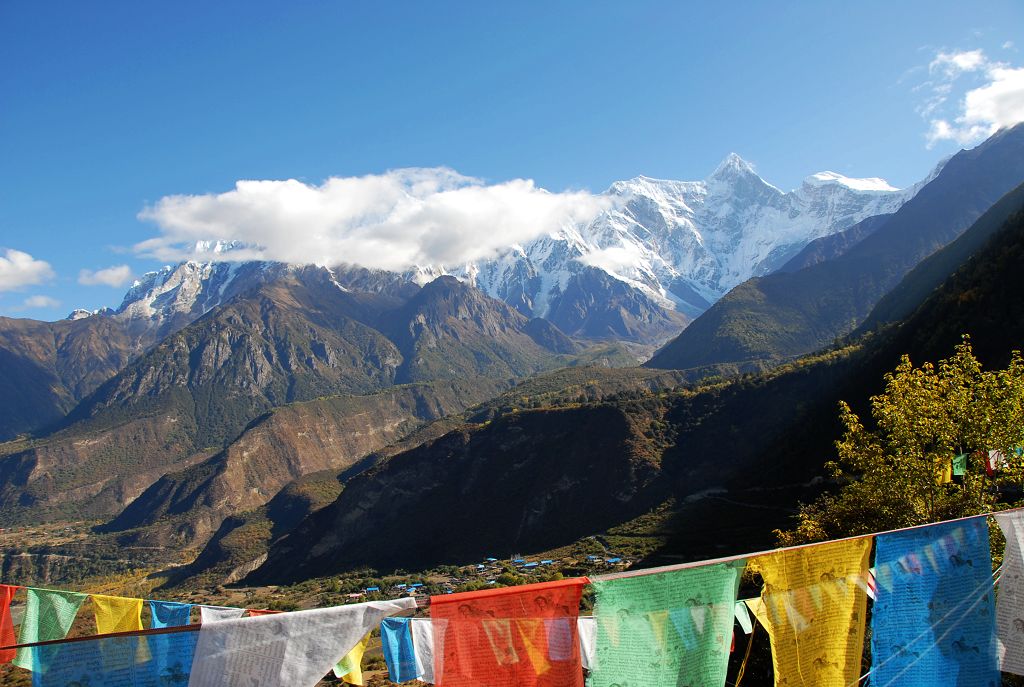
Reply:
x=896, y=471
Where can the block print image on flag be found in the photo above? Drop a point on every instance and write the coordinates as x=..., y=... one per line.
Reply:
x=814, y=608
x=161, y=660
x=519, y=637
x=665, y=629
x=934, y=620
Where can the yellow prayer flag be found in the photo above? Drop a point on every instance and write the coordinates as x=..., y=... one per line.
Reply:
x=943, y=471
x=116, y=614
x=824, y=649
x=350, y=668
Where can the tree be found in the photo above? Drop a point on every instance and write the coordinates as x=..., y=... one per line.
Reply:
x=896, y=473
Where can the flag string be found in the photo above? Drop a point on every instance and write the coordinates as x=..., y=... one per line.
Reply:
x=797, y=547
x=425, y=603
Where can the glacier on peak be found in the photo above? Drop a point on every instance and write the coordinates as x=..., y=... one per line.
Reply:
x=868, y=184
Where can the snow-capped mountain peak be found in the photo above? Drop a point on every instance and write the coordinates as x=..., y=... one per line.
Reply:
x=733, y=166
x=167, y=299
x=683, y=244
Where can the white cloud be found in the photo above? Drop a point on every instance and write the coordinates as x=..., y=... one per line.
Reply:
x=41, y=302
x=986, y=109
x=995, y=101
x=115, y=276
x=1008, y=45
x=953, y=64
x=614, y=259
x=18, y=269
x=389, y=221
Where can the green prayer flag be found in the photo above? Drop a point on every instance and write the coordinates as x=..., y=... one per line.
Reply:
x=48, y=615
x=670, y=628
x=960, y=465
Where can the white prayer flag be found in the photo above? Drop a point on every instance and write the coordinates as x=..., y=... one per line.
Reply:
x=284, y=649
x=1010, y=596
x=217, y=614
x=587, y=629
x=423, y=647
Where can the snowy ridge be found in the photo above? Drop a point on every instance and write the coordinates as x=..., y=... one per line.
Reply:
x=869, y=184
x=684, y=244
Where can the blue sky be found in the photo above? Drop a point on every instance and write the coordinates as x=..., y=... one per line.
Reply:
x=105, y=108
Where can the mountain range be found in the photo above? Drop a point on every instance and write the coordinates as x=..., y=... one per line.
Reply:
x=716, y=459
x=637, y=273
x=801, y=308
x=224, y=405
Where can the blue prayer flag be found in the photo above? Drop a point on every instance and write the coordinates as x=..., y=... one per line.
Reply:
x=399, y=654
x=161, y=660
x=936, y=624
x=169, y=614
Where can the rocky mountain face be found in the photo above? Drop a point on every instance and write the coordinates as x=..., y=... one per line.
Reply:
x=297, y=338
x=525, y=481
x=451, y=330
x=183, y=509
x=791, y=313
x=720, y=456
x=47, y=367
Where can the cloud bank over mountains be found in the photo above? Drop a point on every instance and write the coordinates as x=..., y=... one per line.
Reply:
x=393, y=221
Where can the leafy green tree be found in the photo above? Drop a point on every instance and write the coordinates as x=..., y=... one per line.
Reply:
x=895, y=473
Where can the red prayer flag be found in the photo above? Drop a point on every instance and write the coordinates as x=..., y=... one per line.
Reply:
x=6, y=624
x=256, y=612
x=514, y=637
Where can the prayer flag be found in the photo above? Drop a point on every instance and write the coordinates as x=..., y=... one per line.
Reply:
x=995, y=461
x=423, y=636
x=169, y=614
x=116, y=614
x=743, y=617
x=159, y=660
x=399, y=654
x=285, y=649
x=757, y=607
x=6, y=624
x=815, y=647
x=960, y=465
x=500, y=637
x=1010, y=598
x=48, y=615
x=587, y=627
x=350, y=668
x=634, y=641
x=936, y=627
x=217, y=614
x=943, y=471
x=253, y=613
